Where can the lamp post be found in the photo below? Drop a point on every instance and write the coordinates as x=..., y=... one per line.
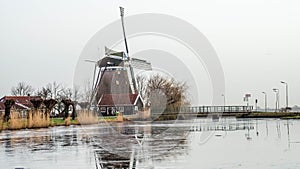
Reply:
x=224, y=101
x=286, y=95
x=266, y=105
x=277, y=99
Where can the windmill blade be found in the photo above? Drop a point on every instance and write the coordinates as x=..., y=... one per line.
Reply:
x=109, y=52
x=140, y=64
x=94, y=89
x=97, y=80
x=122, y=20
x=94, y=76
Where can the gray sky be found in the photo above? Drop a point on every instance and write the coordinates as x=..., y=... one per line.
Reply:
x=256, y=40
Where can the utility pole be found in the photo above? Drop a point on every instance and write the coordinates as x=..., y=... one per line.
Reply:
x=277, y=99
x=286, y=95
x=224, y=101
x=266, y=104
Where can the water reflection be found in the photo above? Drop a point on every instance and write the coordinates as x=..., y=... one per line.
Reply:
x=241, y=143
x=140, y=145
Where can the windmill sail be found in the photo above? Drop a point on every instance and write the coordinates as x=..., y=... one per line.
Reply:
x=140, y=64
x=109, y=52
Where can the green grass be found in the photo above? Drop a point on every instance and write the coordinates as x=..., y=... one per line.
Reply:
x=291, y=117
x=61, y=122
x=107, y=117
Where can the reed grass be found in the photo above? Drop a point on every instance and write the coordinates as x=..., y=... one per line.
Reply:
x=38, y=119
x=16, y=122
x=35, y=119
x=1, y=124
x=87, y=117
x=68, y=121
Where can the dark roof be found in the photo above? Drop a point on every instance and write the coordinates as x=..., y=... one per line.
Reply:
x=118, y=99
x=115, y=60
x=21, y=102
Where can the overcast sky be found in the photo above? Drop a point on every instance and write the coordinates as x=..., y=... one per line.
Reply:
x=257, y=41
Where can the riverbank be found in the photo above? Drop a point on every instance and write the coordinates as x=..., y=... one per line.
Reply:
x=22, y=123
x=38, y=119
x=283, y=115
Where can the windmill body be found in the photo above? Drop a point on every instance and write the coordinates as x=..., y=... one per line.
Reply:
x=116, y=81
x=115, y=86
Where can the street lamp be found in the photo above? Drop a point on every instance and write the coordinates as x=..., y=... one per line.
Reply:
x=265, y=101
x=286, y=95
x=224, y=101
x=277, y=99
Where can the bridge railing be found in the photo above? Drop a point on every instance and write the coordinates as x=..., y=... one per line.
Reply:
x=217, y=109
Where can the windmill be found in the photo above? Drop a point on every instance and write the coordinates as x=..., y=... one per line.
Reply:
x=116, y=71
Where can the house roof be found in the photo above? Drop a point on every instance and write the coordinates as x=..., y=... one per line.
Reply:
x=118, y=99
x=21, y=102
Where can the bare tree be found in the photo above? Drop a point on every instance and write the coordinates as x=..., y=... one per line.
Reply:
x=76, y=93
x=56, y=92
x=45, y=93
x=163, y=92
x=65, y=93
x=142, y=85
x=56, y=89
x=50, y=91
x=22, y=89
x=87, y=92
x=83, y=97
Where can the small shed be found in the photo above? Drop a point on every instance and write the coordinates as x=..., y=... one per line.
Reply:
x=127, y=104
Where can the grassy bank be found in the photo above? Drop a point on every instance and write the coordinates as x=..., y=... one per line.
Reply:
x=40, y=119
x=270, y=115
x=63, y=122
x=291, y=117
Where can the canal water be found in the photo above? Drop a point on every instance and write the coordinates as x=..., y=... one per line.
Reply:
x=227, y=143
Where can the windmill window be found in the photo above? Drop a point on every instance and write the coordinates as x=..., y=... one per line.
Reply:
x=103, y=109
x=117, y=82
